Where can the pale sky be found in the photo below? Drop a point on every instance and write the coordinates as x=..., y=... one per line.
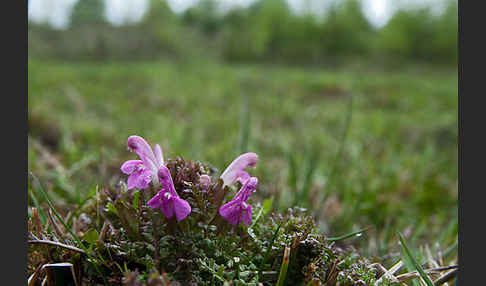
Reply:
x=118, y=12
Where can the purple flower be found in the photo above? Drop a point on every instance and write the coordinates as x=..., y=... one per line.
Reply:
x=142, y=172
x=235, y=171
x=167, y=199
x=238, y=209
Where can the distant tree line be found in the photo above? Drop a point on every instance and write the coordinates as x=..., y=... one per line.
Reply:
x=266, y=31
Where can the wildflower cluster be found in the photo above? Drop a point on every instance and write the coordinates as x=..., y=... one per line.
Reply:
x=151, y=169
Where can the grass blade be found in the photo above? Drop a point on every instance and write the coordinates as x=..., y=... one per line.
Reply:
x=283, y=269
x=355, y=233
x=417, y=266
x=51, y=206
x=37, y=205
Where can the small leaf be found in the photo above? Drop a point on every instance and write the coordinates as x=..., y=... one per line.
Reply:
x=136, y=199
x=91, y=236
x=267, y=205
x=111, y=208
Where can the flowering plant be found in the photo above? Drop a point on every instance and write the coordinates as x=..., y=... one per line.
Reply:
x=177, y=220
x=151, y=169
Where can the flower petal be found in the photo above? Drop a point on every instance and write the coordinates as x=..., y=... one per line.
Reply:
x=244, y=161
x=159, y=157
x=246, y=215
x=204, y=180
x=231, y=211
x=166, y=180
x=242, y=176
x=143, y=150
x=166, y=207
x=247, y=189
x=139, y=179
x=155, y=202
x=130, y=166
x=181, y=208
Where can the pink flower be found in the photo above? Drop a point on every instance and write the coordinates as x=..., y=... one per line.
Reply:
x=235, y=171
x=167, y=199
x=204, y=180
x=142, y=172
x=238, y=209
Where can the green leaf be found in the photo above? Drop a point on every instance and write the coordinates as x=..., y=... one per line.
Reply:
x=267, y=205
x=111, y=208
x=136, y=199
x=417, y=266
x=91, y=236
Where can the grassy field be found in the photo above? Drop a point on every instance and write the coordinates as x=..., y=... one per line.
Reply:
x=359, y=147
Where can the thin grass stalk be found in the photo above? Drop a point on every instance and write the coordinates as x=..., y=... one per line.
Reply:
x=354, y=233
x=417, y=266
x=284, y=267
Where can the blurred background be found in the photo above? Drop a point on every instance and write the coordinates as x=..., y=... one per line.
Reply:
x=351, y=105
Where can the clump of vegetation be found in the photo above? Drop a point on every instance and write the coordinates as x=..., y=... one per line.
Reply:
x=117, y=238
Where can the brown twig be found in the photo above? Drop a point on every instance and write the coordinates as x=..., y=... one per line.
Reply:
x=446, y=277
x=49, y=242
x=415, y=274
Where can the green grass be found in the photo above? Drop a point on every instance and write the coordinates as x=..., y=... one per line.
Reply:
x=385, y=160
